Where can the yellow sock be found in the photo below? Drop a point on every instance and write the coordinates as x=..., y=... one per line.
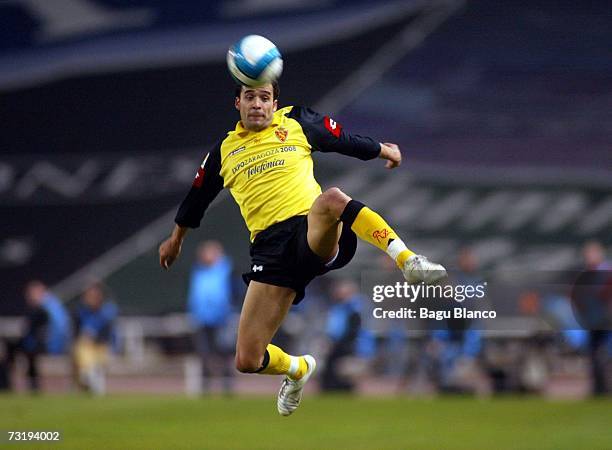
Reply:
x=372, y=228
x=281, y=363
x=402, y=257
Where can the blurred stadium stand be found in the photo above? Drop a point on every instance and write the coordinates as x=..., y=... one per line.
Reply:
x=103, y=154
x=490, y=111
x=503, y=110
x=503, y=84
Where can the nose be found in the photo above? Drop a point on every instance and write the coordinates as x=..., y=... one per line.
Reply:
x=256, y=103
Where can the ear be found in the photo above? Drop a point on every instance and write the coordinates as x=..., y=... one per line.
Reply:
x=275, y=107
x=237, y=103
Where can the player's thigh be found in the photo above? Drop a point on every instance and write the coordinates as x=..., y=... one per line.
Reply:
x=322, y=240
x=324, y=226
x=265, y=306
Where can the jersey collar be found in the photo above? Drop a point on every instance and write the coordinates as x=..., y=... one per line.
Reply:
x=243, y=132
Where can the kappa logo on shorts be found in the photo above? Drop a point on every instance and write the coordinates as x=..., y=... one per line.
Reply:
x=257, y=268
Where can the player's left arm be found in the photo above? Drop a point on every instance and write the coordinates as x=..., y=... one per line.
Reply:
x=326, y=135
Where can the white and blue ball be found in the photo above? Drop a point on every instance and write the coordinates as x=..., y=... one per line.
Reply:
x=254, y=61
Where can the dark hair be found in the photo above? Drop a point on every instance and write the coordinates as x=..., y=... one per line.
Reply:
x=275, y=90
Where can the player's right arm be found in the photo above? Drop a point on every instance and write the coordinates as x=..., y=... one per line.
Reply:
x=391, y=153
x=171, y=247
x=206, y=185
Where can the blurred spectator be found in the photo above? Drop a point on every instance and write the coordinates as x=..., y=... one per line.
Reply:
x=343, y=326
x=94, y=321
x=598, y=279
x=455, y=350
x=560, y=314
x=392, y=352
x=529, y=303
x=209, y=304
x=455, y=354
x=4, y=367
x=47, y=330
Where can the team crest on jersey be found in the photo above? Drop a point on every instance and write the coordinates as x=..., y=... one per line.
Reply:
x=281, y=134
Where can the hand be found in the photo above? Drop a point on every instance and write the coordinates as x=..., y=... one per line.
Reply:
x=391, y=153
x=169, y=251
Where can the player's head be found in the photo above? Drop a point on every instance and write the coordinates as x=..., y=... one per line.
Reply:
x=344, y=290
x=35, y=292
x=209, y=252
x=593, y=254
x=467, y=260
x=275, y=89
x=94, y=295
x=256, y=105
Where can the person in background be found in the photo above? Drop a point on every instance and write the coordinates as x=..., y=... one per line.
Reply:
x=47, y=330
x=343, y=326
x=94, y=322
x=592, y=299
x=209, y=306
x=456, y=349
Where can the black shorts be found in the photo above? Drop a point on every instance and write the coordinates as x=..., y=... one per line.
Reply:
x=281, y=256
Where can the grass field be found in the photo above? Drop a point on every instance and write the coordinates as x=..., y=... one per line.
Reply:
x=322, y=422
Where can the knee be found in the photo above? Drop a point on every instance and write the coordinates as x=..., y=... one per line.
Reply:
x=247, y=363
x=333, y=200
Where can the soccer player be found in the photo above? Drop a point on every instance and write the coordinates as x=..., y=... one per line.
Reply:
x=297, y=231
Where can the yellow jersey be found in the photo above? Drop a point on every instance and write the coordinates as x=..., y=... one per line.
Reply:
x=270, y=172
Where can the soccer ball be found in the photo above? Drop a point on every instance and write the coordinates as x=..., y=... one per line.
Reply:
x=254, y=61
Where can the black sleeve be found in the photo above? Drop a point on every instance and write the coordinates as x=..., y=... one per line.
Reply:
x=206, y=185
x=327, y=135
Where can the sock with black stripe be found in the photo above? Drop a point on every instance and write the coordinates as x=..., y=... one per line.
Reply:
x=277, y=362
x=369, y=226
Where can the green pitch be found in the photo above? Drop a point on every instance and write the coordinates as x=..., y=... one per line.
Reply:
x=323, y=422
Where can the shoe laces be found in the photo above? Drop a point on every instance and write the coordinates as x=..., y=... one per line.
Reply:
x=287, y=384
x=416, y=261
x=289, y=398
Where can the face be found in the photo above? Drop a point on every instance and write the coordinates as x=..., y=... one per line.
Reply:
x=209, y=252
x=344, y=290
x=256, y=106
x=593, y=254
x=93, y=297
x=467, y=261
x=34, y=293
